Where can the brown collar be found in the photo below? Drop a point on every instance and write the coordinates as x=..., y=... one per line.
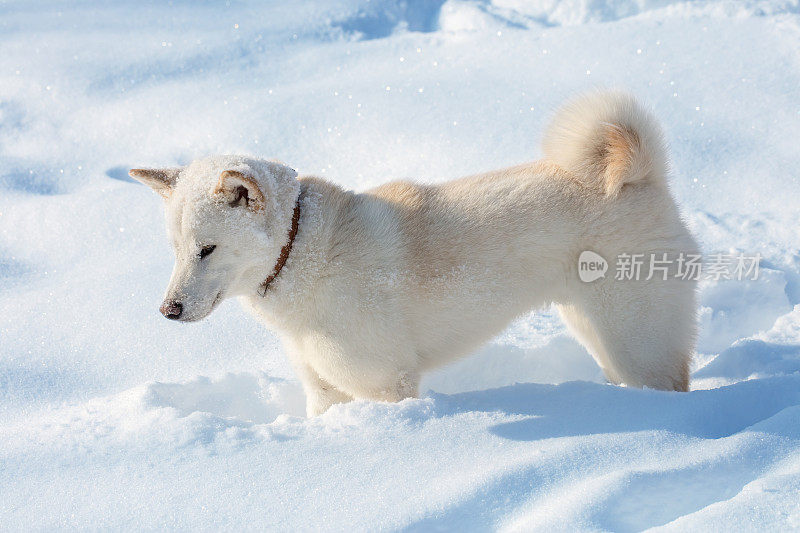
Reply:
x=284, y=251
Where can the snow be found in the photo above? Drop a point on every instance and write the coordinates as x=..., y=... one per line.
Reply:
x=113, y=418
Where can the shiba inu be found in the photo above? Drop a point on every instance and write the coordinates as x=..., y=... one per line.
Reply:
x=368, y=291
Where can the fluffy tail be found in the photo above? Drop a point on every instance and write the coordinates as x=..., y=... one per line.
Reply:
x=609, y=139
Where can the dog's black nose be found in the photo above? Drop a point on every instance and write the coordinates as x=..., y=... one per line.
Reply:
x=171, y=309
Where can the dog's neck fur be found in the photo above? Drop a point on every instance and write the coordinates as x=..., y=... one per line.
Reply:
x=291, y=293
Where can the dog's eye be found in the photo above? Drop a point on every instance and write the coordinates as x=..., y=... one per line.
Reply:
x=205, y=251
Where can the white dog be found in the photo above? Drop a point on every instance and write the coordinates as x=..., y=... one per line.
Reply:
x=368, y=291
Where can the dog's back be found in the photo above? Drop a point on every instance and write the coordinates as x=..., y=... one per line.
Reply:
x=483, y=249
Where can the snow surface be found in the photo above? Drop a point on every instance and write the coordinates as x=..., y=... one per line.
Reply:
x=113, y=418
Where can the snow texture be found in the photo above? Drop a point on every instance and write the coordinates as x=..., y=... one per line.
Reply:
x=113, y=418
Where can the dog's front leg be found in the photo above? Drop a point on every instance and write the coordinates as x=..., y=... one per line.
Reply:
x=405, y=386
x=320, y=394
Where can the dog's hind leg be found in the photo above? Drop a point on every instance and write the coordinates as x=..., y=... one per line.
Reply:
x=581, y=327
x=641, y=334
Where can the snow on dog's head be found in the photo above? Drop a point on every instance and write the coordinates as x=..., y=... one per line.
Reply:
x=228, y=218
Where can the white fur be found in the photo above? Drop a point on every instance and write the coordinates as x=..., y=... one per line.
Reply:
x=382, y=286
x=575, y=134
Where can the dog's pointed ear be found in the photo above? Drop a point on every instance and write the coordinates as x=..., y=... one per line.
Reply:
x=239, y=189
x=161, y=180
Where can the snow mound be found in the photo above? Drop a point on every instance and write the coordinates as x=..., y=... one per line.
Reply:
x=258, y=399
x=577, y=454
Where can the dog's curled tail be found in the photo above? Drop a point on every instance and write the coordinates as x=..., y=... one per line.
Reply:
x=607, y=136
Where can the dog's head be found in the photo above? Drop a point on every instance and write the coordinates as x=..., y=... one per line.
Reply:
x=228, y=218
